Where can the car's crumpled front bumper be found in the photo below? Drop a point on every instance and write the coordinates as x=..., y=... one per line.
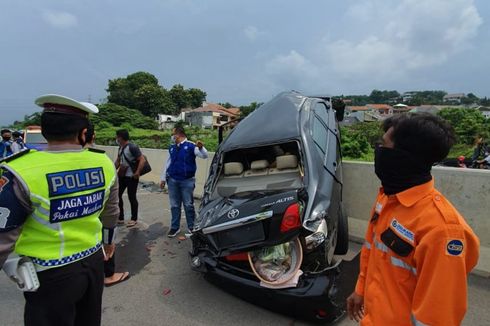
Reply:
x=317, y=297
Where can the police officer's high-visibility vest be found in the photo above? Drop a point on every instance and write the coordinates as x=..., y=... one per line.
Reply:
x=68, y=191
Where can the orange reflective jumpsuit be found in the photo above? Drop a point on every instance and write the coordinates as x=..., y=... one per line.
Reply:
x=415, y=260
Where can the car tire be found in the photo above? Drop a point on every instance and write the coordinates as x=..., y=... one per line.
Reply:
x=342, y=233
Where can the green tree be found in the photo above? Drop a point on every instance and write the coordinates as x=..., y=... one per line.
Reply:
x=195, y=97
x=154, y=99
x=226, y=105
x=467, y=123
x=470, y=98
x=384, y=97
x=353, y=144
x=118, y=115
x=370, y=131
x=139, y=91
x=247, y=109
x=179, y=96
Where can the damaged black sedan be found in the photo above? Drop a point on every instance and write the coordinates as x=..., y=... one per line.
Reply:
x=271, y=224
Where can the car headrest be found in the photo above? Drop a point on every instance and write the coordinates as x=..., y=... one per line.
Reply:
x=233, y=168
x=287, y=162
x=259, y=165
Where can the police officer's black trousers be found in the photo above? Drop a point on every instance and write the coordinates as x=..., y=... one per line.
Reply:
x=68, y=296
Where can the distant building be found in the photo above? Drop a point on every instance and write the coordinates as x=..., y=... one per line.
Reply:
x=408, y=96
x=453, y=98
x=211, y=116
x=368, y=113
x=382, y=109
x=401, y=108
x=485, y=110
x=166, y=121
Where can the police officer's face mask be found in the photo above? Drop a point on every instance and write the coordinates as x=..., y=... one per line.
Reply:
x=173, y=139
x=6, y=138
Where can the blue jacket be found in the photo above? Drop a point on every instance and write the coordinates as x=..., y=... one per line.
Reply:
x=5, y=148
x=182, y=161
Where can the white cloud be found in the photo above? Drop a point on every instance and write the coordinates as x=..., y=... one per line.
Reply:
x=387, y=41
x=411, y=34
x=251, y=32
x=291, y=71
x=60, y=19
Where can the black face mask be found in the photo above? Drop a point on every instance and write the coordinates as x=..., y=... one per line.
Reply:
x=398, y=170
x=6, y=138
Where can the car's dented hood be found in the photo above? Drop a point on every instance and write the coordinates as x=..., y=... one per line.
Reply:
x=243, y=208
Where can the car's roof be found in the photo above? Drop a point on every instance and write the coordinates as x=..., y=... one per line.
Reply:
x=273, y=121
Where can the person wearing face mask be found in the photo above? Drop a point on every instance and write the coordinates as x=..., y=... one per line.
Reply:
x=17, y=143
x=129, y=164
x=179, y=173
x=58, y=210
x=6, y=144
x=418, y=248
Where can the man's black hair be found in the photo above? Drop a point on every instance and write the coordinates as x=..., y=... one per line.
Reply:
x=180, y=131
x=428, y=137
x=123, y=133
x=5, y=131
x=16, y=134
x=89, y=136
x=62, y=127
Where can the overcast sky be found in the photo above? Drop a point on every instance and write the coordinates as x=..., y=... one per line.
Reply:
x=241, y=51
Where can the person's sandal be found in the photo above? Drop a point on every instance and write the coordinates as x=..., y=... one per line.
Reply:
x=124, y=277
x=131, y=224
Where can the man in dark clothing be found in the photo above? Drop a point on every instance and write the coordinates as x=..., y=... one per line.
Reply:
x=111, y=276
x=129, y=163
x=6, y=144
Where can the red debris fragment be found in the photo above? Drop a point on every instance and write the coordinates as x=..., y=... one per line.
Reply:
x=166, y=291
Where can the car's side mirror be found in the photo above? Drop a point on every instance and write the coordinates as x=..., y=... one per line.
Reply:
x=339, y=107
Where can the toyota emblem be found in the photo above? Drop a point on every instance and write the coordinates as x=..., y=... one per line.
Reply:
x=233, y=213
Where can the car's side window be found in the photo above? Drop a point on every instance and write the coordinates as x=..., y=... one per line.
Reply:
x=321, y=113
x=320, y=130
x=319, y=136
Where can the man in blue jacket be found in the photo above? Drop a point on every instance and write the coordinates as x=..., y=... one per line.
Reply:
x=179, y=173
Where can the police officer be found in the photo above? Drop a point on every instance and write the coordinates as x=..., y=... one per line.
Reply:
x=418, y=249
x=57, y=207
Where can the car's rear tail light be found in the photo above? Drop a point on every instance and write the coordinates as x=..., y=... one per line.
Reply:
x=237, y=257
x=321, y=314
x=291, y=219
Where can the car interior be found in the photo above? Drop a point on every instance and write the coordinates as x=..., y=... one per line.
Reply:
x=261, y=168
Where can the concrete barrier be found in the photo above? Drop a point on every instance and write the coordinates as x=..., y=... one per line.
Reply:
x=467, y=189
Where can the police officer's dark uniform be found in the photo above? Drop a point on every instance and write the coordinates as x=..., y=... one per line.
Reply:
x=57, y=207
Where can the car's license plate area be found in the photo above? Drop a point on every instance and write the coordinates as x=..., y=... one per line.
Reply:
x=241, y=235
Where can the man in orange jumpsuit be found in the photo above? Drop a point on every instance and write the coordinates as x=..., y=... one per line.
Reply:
x=418, y=249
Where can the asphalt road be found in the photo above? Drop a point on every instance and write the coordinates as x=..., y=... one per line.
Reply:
x=164, y=291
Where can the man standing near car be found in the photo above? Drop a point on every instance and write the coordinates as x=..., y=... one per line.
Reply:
x=57, y=207
x=418, y=249
x=6, y=144
x=179, y=173
x=130, y=162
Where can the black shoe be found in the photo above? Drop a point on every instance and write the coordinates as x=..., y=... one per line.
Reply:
x=188, y=233
x=172, y=233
